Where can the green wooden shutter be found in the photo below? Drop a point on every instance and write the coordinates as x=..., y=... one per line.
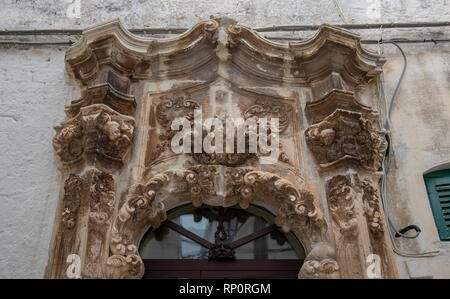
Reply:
x=438, y=188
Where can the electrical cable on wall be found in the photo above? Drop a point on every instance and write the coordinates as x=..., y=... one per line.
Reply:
x=386, y=163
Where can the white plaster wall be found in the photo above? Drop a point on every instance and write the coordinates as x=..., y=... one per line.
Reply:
x=33, y=92
x=182, y=13
x=32, y=95
x=421, y=140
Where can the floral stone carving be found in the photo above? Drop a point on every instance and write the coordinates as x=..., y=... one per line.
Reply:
x=341, y=204
x=98, y=133
x=297, y=209
x=346, y=135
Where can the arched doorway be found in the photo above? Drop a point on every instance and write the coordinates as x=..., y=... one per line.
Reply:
x=217, y=242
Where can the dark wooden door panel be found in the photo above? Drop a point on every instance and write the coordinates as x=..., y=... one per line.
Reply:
x=249, y=274
x=172, y=274
x=222, y=269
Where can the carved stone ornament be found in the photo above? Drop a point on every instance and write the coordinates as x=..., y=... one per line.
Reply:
x=97, y=132
x=145, y=204
x=346, y=135
x=269, y=109
x=341, y=204
x=371, y=202
x=104, y=94
x=72, y=199
x=101, y=207
x=182, y=105
x=117, y=183
x=319, y=269
x=320, y=263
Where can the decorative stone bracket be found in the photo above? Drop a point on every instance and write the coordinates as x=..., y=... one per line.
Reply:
x=345, y=136
x=97, y=133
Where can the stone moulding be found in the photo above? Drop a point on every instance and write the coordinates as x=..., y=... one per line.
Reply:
x=302, y=57
x=316, y=111
x=106, y=94
x=297, y=63
x=111, y=44
x=145, y=205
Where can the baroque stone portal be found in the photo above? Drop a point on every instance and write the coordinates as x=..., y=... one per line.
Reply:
x=120, y=176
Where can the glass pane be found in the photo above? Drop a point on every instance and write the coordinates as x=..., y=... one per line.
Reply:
x=164, y=243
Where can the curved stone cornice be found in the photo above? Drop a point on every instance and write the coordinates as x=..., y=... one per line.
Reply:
x=336, y=99
x=306, y=48
x=302, y=62
x=331, y=49
x=103, y=94
x=111, y=43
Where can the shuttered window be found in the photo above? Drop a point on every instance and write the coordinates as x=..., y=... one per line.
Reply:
x=438, y=187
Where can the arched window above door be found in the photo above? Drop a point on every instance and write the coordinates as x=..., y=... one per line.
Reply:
x=220, y=233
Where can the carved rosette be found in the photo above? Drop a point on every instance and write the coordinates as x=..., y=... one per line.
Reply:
x=341, y=204
x=210, y=30
x=97, y=132
x=346, y=135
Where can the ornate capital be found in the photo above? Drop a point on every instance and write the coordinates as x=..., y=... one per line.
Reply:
x=97, y=133
x=346, y=136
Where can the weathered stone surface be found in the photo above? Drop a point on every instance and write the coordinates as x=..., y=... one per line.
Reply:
x=34, y=94
x=226, y=87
